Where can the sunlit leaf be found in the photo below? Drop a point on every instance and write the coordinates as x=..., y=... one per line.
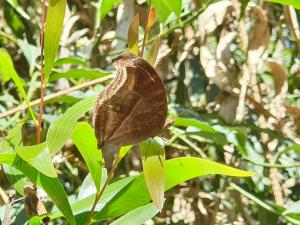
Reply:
x=39, y=157
x=62, y=129
x=9, y=145
x=7, y=71
x=294, y=3
x=177, y=171
x=152, y=17
x=153, y=160
x=19, y=9
x=165, y=7
x=79, y=73
x=85, y=204
x=86, y=142
x=140, y=215
x=71, y=61
x=31, y=52
x=152, y=55
x=123, y=151
x=133, y=35
x=53, y=28
x=52, y=186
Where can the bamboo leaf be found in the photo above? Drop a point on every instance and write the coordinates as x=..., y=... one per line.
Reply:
x=140, y=215
x=62, y=129
x=52, y=186
x=153, y=160
x=152, y=17
x=177, y=171
x=152, y=55
x=133, y=35
x=39, y=157
x=53, y=28
x=86, y=142
x=79, y=73
x=7, y=71
x=294, y=3
x=8, y=145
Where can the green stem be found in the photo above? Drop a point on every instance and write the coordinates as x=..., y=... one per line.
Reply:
x=99, y=194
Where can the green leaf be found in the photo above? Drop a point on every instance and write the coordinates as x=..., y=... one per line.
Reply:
x=13, y=21
x=165, y=7
x=19, y=9
x=71, y=61
x=39, y=157
x=152, y=55
x=79, y=73
x=177, y=171
x=293, y=208
x=263, y=204
x=36, y=220
x=7, y=71
x=52, y=186
x=86, y=142
x=105, y=6
x=88, y=185
x=153, y=160
x=295, y=3
x=85, y=204
x=137, y=216
x=62, y=129
x=205, y=130
x=54, y=24
x=30, y=52
x=123, y=151
x=8, y=145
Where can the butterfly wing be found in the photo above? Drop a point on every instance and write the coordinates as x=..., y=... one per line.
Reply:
x=133, y=108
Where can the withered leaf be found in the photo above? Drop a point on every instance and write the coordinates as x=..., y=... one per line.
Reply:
x=133, y=107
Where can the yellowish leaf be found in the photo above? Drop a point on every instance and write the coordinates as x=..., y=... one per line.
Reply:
x=152, y=18
x=133, y=35
x=152, y=55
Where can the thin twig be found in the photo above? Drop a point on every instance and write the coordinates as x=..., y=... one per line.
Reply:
x=99, y=194
x=55, y=95
x=43, y=84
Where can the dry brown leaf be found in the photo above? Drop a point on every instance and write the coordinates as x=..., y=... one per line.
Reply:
x=258, y=35
x=228, y=108
x=213, y=16
x=292, y=21
x=280, y=76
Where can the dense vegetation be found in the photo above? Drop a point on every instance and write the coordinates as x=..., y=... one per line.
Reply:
x=232, y=75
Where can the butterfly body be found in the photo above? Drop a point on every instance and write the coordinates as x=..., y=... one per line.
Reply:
x=133, y=107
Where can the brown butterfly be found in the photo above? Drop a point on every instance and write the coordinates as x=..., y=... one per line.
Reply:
x=133, y=107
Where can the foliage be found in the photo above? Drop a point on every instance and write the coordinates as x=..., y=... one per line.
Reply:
x=231, y=71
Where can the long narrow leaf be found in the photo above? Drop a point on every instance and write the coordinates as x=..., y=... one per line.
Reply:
x=177, y=171
x=86, y=142
x=7, y=71
x=62, y=129
x=53, y=29
x=52, y=186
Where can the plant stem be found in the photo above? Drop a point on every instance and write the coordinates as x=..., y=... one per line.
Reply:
x=43, y=84
x=99, y=194
x=146, y=29
x=56, y=95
